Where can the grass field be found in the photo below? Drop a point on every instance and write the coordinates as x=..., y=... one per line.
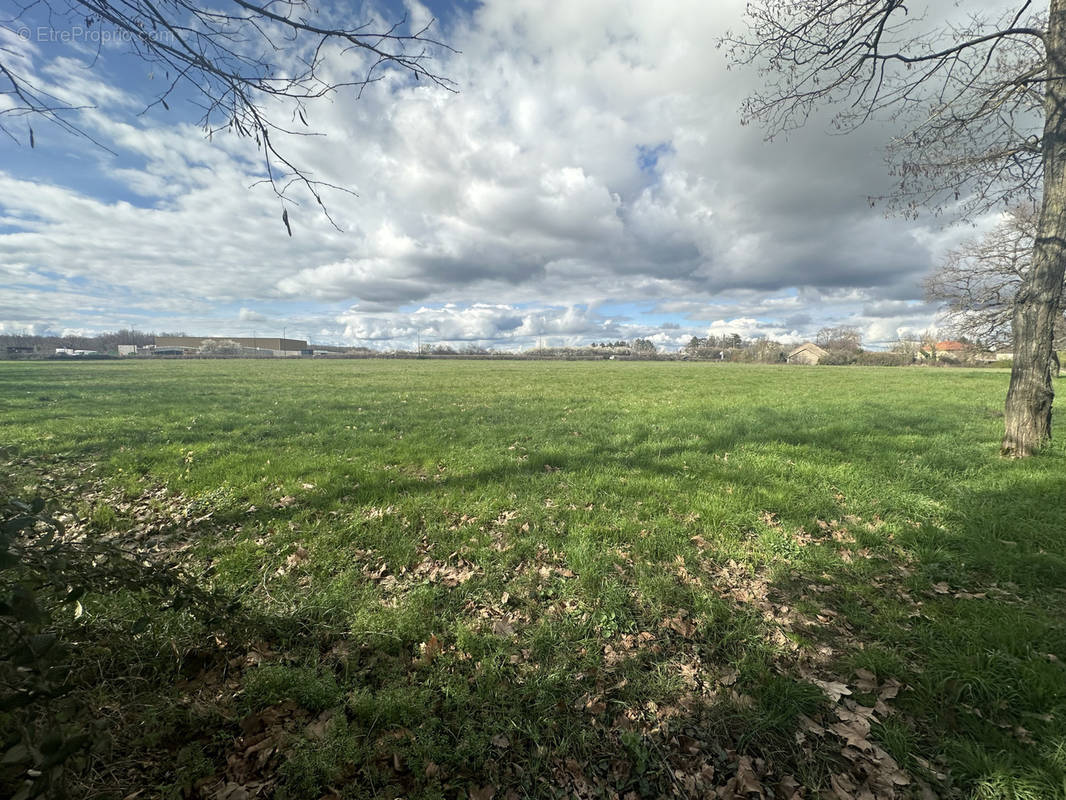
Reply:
x=472, y=579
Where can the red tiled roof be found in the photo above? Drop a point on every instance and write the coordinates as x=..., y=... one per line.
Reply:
x=950, y=346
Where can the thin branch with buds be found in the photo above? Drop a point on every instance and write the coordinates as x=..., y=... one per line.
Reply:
x=973, y=92
x=244, y=60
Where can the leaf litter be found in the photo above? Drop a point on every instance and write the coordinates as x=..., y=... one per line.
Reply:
x=697, y=764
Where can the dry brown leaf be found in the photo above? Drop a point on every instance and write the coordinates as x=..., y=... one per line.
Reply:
x=854, y=733
x=431, y=648
x=680, y=625
x=502, y=627
x=316, y=728
x=811, y=726
x=789, y=789
x=844, y=786
x=866, y=681
x=834, y=690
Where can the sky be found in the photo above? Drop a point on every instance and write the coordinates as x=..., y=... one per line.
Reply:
x=589, y=180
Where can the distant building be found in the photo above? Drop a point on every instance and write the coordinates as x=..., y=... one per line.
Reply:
x=127, y=349
x=945, y=351
x=262, y=346
x=807, y=353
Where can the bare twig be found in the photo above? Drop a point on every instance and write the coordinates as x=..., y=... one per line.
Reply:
x=247, y=62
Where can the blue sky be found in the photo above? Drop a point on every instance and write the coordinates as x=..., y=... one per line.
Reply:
x=589, y=180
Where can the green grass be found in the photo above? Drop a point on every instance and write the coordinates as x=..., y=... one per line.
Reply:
x=794, y=524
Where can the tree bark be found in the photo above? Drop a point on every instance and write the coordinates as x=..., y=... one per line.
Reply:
x=1038, y=303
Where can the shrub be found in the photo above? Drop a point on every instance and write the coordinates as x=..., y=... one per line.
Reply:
x=839, y=358
x=875, y=359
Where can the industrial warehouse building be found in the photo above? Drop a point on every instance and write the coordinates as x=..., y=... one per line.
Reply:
x=263, y=346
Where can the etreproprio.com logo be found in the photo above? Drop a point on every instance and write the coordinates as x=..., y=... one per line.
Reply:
x=91, y=35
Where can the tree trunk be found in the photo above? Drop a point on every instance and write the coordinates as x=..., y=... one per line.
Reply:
x=1038, y=303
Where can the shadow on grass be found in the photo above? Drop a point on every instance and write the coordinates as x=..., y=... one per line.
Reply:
x=947, y=578
x=939, y=567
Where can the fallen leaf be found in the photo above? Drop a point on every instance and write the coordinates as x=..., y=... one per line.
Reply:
x=746, y=781
x=431, y=648
x=866, y=681
x=316, y=729
x=789, y=789
x=854, y=733
x=680, y=625
x=834, y=689
x=502, y=627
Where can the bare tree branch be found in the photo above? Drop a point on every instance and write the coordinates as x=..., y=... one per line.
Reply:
x=977, y=283
x=973, y=106
x=248, y=62
x=984, y=104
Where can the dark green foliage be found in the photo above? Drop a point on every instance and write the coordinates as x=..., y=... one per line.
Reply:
x=870, y=358
x=839, y=358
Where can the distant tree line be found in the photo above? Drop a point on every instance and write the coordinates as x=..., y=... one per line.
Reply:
x=977, y=283
x=469, y=349
x=102, y=342
x=842, y=343
x=734, y=347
